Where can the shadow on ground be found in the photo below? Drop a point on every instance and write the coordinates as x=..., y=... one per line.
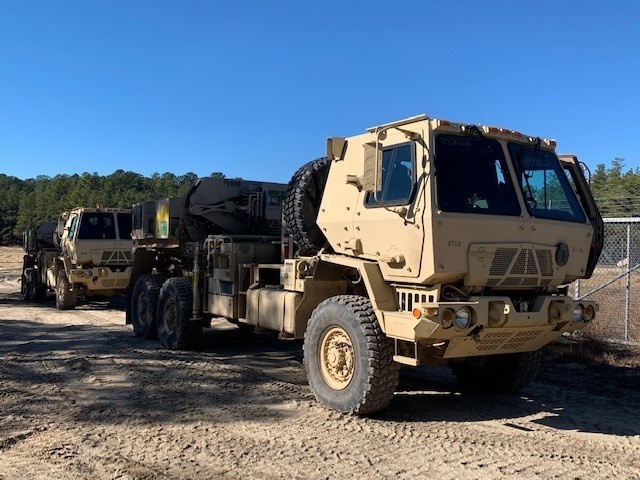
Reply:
x=104, y=374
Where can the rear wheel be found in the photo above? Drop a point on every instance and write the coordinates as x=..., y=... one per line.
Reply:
x=66, y=297
x=26, y=290
x=144, y=305
x=302, y=204
x=507, y=373
x=348, y=358
x=175, y=329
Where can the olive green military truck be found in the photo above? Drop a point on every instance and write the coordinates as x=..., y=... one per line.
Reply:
x=86, y=252
x=421, y=241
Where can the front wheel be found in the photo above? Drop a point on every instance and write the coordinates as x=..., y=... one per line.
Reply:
x=507, y=373
x=176, y=331
x=66, y=297
x=349, y=360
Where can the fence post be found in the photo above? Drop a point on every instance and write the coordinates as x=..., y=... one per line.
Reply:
x=627, y=305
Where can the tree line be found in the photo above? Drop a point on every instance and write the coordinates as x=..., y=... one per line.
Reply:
x=26, y=203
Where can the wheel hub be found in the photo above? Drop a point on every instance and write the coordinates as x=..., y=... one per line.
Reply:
x=336, y=358
x=170, y=315
x=143, y=308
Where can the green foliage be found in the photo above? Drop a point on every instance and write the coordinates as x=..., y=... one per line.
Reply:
x=26, y=203
x=617, y=192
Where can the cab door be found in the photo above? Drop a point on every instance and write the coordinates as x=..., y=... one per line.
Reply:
x=389, y=223
x=571, y=165
x=69, y=237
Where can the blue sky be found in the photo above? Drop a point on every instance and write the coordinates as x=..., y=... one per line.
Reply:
x=253, y=88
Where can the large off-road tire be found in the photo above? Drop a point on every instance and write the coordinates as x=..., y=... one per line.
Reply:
x=349, y=360
x=144, y=305
x=55, y=238
x=507, y=373
x=31, y=288
x=66, y=297
x=302, y=204
x=26, y=289
x=175, y=330
x=40, y=293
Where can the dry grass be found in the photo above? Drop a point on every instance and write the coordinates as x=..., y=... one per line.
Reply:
x=593, y=351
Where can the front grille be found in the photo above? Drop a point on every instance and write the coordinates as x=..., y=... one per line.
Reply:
x=115, y=257
x=545, y=262
x=520, y=266
x=502, y=260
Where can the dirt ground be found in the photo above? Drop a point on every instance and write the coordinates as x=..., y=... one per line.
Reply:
x=82, y=398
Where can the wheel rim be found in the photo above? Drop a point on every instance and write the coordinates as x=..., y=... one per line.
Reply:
x=143, y=308
x=170, y=314
x=336, y=358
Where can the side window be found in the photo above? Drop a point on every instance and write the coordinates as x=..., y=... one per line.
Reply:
x=398, y=177
x=72, y=228
x=124, y=226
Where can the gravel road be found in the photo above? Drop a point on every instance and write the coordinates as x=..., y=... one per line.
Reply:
x=82, y=398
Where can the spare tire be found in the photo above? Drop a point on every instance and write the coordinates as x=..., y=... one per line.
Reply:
x=302, y=204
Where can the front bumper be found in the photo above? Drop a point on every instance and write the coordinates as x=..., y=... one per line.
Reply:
x=495, y=326
x=100, y=278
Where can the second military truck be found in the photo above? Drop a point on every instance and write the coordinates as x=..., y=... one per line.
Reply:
x=421, y=241
x=86, y=252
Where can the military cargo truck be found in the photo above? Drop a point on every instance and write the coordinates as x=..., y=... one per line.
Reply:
x=86, y=252
x=421, y=241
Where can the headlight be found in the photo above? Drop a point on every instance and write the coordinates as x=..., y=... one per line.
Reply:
x=448, y=314
x=578, y=312
x=497, y=314
x=80, y=273
x=589, y=313
x=463, y=318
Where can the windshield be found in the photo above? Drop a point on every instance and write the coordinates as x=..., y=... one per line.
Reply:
x=545, y=187
x=472, y=176
x=97, y=225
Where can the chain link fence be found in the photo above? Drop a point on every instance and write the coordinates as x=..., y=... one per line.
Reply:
x=615, y=283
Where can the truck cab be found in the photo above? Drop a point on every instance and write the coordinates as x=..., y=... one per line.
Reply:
x=95, y=254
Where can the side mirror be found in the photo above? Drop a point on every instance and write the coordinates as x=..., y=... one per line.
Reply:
x=336, y=147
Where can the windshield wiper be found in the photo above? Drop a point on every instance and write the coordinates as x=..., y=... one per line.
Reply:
x=534, y=157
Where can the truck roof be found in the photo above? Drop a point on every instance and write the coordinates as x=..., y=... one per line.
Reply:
x=461, y=127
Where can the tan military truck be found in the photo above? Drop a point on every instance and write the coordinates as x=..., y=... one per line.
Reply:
x=421, y=241
x=87, y=253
